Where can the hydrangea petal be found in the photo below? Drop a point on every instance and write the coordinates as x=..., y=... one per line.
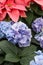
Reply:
x=2, y=35
x=32, y=62
x=37, y=25
x=39, y=38
x=38, y=59
x=39, y=52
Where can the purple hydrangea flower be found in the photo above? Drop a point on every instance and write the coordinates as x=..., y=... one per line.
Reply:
x=16, y=33
x=4, y=26
x=37, y=25
x=10, y=35
x=32, y=62
x=22, y=34
x=38, y=59
x=7, y=31
x=39, y=38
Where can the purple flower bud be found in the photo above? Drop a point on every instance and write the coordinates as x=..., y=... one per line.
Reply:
x=37, y=25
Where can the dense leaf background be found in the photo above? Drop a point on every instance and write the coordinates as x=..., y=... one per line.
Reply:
x=13, y=55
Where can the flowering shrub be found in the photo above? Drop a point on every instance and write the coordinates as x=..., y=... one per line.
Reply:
x=21, y=32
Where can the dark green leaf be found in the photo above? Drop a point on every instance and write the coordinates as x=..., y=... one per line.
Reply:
x=30, y=17
x=28, y=50
x=12, y=58
x=28, y=55
x=37, y=9
x=8, y=63
x=1, y=59
x=10, y=50
x=24, y=61
x=8, y=47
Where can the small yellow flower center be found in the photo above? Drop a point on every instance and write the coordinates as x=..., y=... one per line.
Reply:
x=9, y=5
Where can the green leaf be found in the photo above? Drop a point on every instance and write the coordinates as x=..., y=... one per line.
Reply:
x=24, y=61
x=12, y=58
x=37, y=9
x=27, y=55
x=8, y=47
x=30, y=17
x=28, y=50
x=8, y=63
x=1, y=52
x=10, y=50
x=1, y=59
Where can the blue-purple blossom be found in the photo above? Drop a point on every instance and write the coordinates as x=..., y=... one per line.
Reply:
x=16, y=33
x=37, y=25
x=7, y=31
x=10, y=35
x=22, y=34
x=38, y=59
x=39, y=38
x=4, y=26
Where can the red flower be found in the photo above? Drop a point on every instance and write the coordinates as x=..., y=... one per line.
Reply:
x=40, y=2
x=2, y=10
x=14, y=8
x=2, y=1
x=23, y=2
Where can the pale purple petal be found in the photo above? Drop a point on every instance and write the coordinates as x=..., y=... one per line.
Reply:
x=37, y=25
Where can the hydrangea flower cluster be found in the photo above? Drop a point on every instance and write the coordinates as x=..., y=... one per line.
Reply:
x=39, y=37
x=16, y=33
x=22, y=34
x=38, y=59
x=37, y=25
x=4, y=26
